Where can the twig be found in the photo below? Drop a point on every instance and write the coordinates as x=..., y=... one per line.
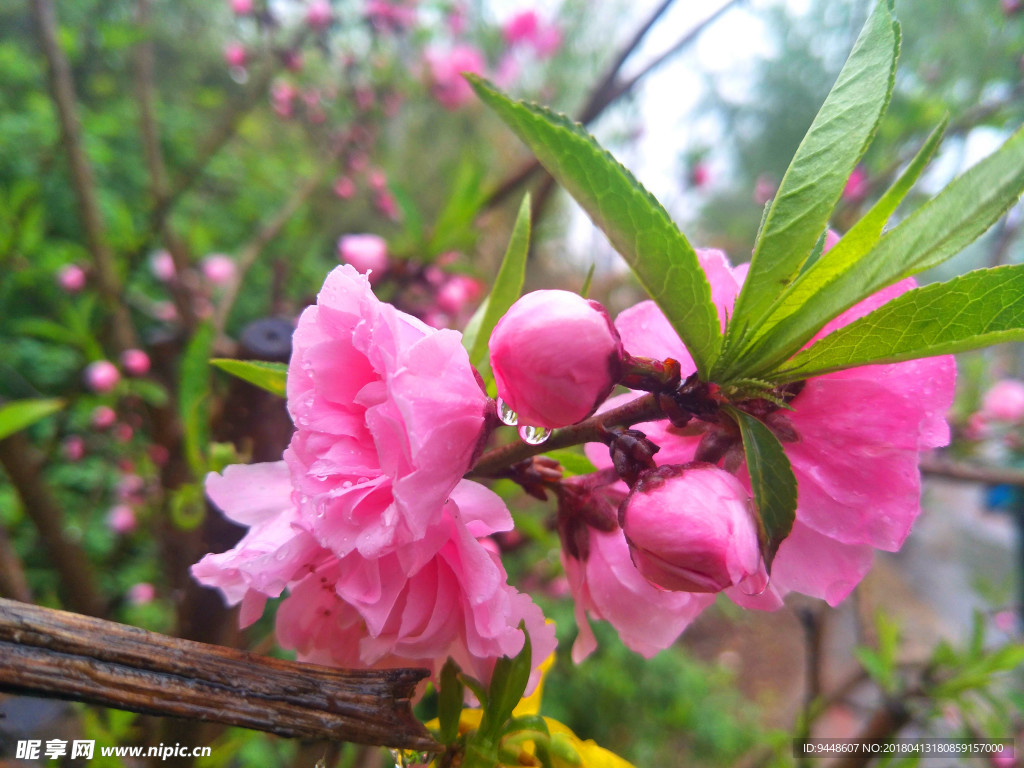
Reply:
x=608, y=90
x=12, y=575
x=938, y=466
x=22, y=465
x=591, y=430
x=252, y=250
x=82, y=180
x=63, y=655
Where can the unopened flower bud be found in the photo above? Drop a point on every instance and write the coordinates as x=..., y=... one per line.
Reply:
x=241, y=7
x=101, y=376
x=235, y=55
x=555, y=356
x=161, y=264
x=103, y=417
x=1004, y=401
x=218, y=269
x=71, y=278
x=690, y=528
x=318, y=14
x=121, y=519
x=135, y=362
x=367, y=253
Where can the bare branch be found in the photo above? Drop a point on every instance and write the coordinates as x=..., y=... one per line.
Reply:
x=83, y=183
x=939, y=466
x=63, y=655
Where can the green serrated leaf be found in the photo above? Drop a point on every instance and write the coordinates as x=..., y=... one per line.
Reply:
x=637, y=225
x=449, y=705
x=975, y=310
x=814, y=181
x=507, y=287
x=809, y=287
x=19, y=414
x=772, y=481
x=269, y=376
x=193, y=398
x=938, y=230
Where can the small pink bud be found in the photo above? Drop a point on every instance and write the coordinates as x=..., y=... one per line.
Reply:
x=103, y=417
x=158, y=454
x=367, y=253
x=547, y=41
x=764, y=189
x=318, y=14
x=123, y=433
x=521, y=27
x=358, y=162
x=241, y=7
x=690, y=528
x=344, y=187
x=445, y=70
x=71, y=278
x=292, y=61
x=218, y=269
x=101, y=376
x=857, y=185
x=73, y=448
x=555, y=356
x=161, y=264
x=700, y=175
x=1004, y=401
x=135, y=362
x=378, y=180
x=457, y=292
x=235, y=55
x=166, y=311
x=130, y=487
x=141, y=593
x=121, y=519
x=386, y=205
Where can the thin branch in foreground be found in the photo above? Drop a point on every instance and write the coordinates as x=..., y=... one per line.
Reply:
x=64, y=655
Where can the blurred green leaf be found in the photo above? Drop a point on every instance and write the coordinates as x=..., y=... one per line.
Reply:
x=455, y=222
x=269, y=376
x=633, y=220
x=450, y=698
x=505, y=292
x=975, y=310
x=815, y=179
x=772, y=482
x=19, y=414
x=508, y=683
x=573, y=462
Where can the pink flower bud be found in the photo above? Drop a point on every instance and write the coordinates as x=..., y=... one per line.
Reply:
x=520, y=28
x=764, y=189
x=141, y=593
x=241, y=7
x=235, y=55
x=123, y=433
x=218, y=269
x=103, y=417
x=318, y=14
x=1004, y=401
x=700, y=175
x=457, y=292
x=73, y=448
x=344, y=187
x=158, y=454
x=555, y=356
x=367, y=253
x=161, y=264
x=378, y=180
x=690, y=529
x=135, y=362
x=386, y=205
x=121, y=519
x=857, y=185
x=71, y=278
x=101, y=376
x=445, y=68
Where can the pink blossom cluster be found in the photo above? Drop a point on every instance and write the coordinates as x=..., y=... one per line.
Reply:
x=445, y=68
x=527, y=28
x=686, y=530
x=368, y=523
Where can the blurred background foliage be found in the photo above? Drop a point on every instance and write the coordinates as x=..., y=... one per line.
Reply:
x=269, y=137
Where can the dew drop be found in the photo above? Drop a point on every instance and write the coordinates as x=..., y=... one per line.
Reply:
x=534, y=435
x=756, y=584
x=361, y=480
x=506, y=414
x=347, y=484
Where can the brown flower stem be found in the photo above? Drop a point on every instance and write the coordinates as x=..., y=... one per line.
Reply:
x=593, y=430
x=13, y=583
x=65, y=655
x=22, y=464
x=83, y=182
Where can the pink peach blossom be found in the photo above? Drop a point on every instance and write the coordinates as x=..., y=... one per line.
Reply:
x=857, y=185
x=241, y=7
x=121, y=519
x=445, y=70
x=388, y=413
x=103, y=417
x=1004, y=401
x=521, y=27
x=367, y=253
x=142, y=593
x=555, y=357
x=218, y=269
x=235, y=55
x=135, y=362
x=73, y=448
x=458, y=291
x=859, y=435
x=101, y=376
x=344, y=187
x=606, y=585
x=391, y=15
x=319, y=14
x=71, y=278
x=161, y=264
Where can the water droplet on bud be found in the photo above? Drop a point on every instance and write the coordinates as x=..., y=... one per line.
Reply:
x=506, y=414
x=534, y=435
x=756, y=584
